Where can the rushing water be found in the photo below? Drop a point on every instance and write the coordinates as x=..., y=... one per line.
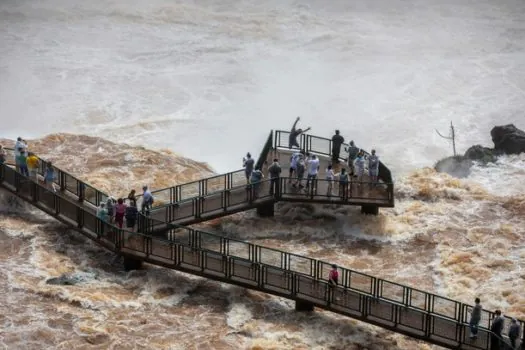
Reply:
x=208, y=80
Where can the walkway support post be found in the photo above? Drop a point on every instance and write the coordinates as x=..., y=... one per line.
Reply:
x=369, y=209
x=266, y=210
x=303, y=306
x=132, y=264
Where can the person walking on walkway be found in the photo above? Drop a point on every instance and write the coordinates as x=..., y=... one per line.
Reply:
x=21, y=160
x=294, y=133
x=120, y=211
x=248, y=163
x=337, y=141
x=353, y=151
x=20, y=146
x=275, y=173
x=497, y=328
x=32, y=165
x=475, y=317
x=373, y=167
x=49, y=177
x=514, y=332
x=333, y=276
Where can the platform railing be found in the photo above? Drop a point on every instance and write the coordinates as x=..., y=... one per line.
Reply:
x=407, y=310
x=322, y=146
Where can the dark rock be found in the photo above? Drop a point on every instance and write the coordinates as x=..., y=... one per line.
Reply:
x=481, y=154
x=508, y=139
x=71, y=280
x=457, y=166
x=63, y=280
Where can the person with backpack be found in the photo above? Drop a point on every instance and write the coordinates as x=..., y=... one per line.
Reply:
x=343, y=184
x=255, y=182
x=275, y=174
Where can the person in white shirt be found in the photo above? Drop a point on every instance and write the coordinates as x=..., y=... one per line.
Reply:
x=147, y=200
x=360, y=166
x=19, y=145
x=313, y=169
x=293, y=165
x=330, y=176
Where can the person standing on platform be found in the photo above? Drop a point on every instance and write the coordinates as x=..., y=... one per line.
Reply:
x=343, y=184
x=475, y=317
x=337, y=141
x=313, y=169
x=248, y=163
x=147, y=200
x=294, y=133
x=132, y=198
x=360, y=166
x=275, y=173
x=497, y=327
x=20, y=144
x=514, y=332
x=293, y=165
x=330, y=177
x=353, y=151
x=32, y=165
x=373, y=167
x=301, y=168
x=131, y=215
x=255, y=182
x=333, y=276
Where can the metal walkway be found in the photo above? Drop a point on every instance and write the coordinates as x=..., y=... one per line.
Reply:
x=402, y=309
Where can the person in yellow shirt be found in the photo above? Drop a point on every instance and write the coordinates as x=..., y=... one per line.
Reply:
x=32, y=164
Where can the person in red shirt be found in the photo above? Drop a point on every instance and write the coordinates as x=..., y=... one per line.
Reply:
x=333, y=276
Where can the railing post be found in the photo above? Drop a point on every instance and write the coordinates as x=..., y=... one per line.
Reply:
x=81, y=189
x=34, y=191
x=459, y=323
x=62, y=181
x=80, y=217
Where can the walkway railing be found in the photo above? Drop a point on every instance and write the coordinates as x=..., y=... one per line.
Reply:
x=391, y=305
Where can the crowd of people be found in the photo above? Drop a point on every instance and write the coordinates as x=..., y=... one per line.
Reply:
x=496, y=328
x=114, y=211
x=111, y=211
x=305, y=167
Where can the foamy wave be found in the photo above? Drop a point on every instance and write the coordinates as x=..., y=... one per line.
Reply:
x=115, y=167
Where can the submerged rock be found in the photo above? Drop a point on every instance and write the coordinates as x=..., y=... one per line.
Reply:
x=508, y=139
x=457, y=166
x=69, y=280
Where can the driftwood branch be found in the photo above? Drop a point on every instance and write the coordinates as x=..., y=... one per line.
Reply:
x=451, y=137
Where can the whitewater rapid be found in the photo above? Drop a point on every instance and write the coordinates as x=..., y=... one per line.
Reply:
x=153, y=82
x=197, y=77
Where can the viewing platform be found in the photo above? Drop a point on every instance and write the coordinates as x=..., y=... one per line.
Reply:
x=226, y=194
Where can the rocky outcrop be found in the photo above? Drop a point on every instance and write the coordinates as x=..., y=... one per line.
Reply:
x=481, y=154
x=457, y=166
x=508, y=139
x=70, y=279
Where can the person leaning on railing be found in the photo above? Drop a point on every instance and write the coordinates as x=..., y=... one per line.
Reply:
x=514, y=332
x=497, y=327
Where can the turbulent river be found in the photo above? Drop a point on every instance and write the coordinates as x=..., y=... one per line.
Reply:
x=148, y=92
